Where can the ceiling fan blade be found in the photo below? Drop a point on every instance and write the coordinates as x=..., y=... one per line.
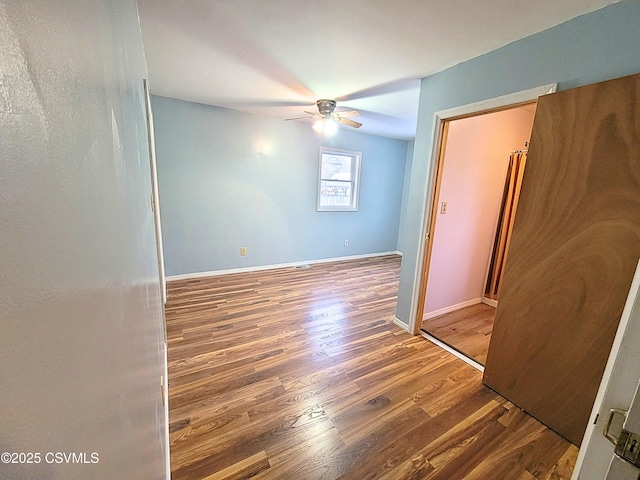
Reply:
x=395, y=86
x=349, y=113
x=298, y=118
x=325, y=111
x=349, y=122
x=239, y=105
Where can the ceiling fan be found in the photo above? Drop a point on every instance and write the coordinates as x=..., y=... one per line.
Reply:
x=327, y=117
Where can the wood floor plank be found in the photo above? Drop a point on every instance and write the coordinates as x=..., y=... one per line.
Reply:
x=315, y=458
x=467, y=329
x=373, y=455
x=302, y=374
x=456, y=453
x=246, y=468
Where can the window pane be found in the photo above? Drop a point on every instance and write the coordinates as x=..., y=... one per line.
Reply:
x=338, y=178
x=335, y=193
x=336, y=167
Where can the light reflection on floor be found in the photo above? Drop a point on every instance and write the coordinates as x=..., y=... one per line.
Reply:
x=326, y=316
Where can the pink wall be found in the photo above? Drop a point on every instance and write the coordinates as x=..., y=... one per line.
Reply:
x=475, y=165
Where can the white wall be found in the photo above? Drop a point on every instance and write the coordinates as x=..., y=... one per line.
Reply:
x=81, y=348
x=475, y=163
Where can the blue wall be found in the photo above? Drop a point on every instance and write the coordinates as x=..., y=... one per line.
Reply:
x=595, y=47
x=229, y=179
x=405, y=197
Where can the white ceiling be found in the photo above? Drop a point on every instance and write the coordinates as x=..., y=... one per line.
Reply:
x=277, y=57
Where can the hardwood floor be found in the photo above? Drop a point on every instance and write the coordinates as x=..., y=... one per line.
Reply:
x=467, y=329
x=301, y=374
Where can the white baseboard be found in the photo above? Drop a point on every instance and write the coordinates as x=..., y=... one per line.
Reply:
x=189, y=276
x=490, y=302
x=401, y=324
x=451, y=308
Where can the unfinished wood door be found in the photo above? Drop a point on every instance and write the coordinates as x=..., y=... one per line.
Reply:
x=575, y=245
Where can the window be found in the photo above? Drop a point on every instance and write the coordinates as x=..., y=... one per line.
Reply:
x=338, y=180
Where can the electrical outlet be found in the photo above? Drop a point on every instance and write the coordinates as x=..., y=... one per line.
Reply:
x=243, y=251
x=443, y=208
x=346, y=243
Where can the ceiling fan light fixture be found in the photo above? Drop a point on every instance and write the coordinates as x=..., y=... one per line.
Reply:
x=325, y=126
x=327, y=120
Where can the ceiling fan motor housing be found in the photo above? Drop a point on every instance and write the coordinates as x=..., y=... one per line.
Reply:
x=326, y=107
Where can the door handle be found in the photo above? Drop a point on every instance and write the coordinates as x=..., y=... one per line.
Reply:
x=615, y=424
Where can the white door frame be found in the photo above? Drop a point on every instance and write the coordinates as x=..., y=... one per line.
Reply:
x=617, y=389
x=155, y=207
x=155, y=197
x=484, y=106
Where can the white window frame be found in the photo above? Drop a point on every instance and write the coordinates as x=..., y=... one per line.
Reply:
x=355, y=159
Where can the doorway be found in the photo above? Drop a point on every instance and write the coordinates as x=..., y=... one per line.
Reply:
x=470, y=167
x=575, y=245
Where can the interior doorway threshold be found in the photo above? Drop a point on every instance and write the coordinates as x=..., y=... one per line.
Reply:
x=478, y=366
